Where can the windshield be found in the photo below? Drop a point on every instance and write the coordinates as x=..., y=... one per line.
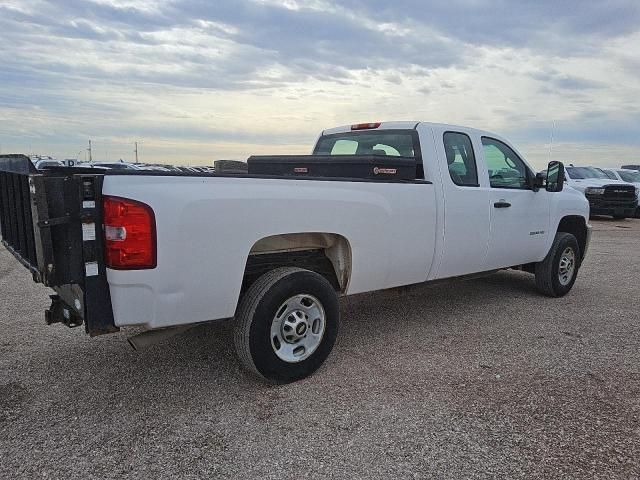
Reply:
x=580, y=173
x=628, y=176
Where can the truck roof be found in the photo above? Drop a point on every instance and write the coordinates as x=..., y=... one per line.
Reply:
x=410, y=125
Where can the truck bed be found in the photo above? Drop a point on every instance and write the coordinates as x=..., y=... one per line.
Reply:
x=51, y=221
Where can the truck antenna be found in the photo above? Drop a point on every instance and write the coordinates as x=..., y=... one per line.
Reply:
x=136, y=150
x=553, y=127
x=89, y=150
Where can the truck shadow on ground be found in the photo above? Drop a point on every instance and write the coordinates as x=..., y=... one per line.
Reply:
x=201, y=363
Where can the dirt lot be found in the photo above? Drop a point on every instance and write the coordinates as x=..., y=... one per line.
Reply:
x=481, y=379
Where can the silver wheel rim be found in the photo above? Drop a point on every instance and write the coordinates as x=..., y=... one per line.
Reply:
x=297, y=328
x=567, y=266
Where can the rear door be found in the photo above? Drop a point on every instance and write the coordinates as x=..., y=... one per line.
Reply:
x=519, y=216
x=466, y=212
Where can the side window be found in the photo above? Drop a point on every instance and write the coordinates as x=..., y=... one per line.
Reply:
x=460, y=159
x=506, y=169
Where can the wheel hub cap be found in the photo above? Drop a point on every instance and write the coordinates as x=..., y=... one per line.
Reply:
x=567, y=266
x=294, y=326
x=297, y=328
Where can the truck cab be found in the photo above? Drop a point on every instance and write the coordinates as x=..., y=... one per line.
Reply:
x=486, y=185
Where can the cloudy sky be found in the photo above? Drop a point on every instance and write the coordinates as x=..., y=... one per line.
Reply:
x=197, y=80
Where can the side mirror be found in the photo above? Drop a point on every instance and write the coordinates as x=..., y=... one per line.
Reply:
x=555, y=177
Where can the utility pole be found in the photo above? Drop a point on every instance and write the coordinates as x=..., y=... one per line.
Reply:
x=136, y=150
x=89, y=150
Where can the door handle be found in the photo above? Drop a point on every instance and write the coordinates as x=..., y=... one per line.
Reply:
x=501, y=204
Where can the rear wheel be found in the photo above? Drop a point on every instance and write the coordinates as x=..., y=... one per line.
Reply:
x=556, y=274
x=619, y=217
x=286, y=324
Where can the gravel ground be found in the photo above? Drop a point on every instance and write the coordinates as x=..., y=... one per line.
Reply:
x=477, y=379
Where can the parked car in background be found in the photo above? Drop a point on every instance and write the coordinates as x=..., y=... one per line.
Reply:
x=153, y=167
x=111, y=165
x=195, y=169
x=627, y=176
x=631, y=167
x=48, y=163
x=606, y=196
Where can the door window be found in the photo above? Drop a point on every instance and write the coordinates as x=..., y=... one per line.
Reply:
x=506, y=169
x=460, y=159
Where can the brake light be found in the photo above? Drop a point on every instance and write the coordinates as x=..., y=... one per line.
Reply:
x=129, y=234
x=365, y=126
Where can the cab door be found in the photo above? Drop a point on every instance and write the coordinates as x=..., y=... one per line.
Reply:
x=466, y=212
x=519, y=215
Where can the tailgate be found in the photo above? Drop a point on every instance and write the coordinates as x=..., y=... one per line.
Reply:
x=51, y=222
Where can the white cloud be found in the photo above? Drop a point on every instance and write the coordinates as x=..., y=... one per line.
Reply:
x=194, y=81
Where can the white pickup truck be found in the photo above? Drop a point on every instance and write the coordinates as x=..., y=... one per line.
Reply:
x=606, y=196
x=375, y=206
x=627, y=176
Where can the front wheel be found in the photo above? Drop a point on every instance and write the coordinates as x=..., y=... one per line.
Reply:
x=286, y=324
x=556, y=274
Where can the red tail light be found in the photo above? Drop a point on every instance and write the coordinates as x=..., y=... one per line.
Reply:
x=129, y=234
x=365, y=126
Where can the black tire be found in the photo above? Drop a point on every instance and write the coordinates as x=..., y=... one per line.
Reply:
x=256, y=313
x=619, y=217
x=547, y=271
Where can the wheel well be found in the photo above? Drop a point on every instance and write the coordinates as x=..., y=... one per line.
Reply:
x=577, y=226
x=328, y=254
